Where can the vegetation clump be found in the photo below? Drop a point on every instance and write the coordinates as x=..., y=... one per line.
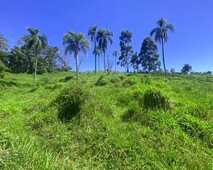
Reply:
x=70, y=102
x=66, y=79
x=101, y=81
x=134, y=113
x=154, y=99
x=2, y=70
x=129, y=81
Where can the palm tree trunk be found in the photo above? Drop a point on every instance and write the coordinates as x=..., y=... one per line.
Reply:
x=95, y=57
x=164, y=64
x=35, y=71
x=104, y=63
x=76, y=62
x=115, y=63
x=99, y=63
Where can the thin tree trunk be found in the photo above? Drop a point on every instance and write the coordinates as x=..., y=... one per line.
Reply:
x=99, y=63
x=76, y=62
x=95, y=57
x=104, y=63
x=115, y=62
x=35, y=71
x=164, y=64
x=127, y=64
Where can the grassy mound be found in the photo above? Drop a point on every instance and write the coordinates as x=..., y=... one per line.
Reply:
x=154, y=99
x=127, y=121
x=70, y=102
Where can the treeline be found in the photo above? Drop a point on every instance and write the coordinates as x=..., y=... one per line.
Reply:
x=32, y=49
x=33, y=54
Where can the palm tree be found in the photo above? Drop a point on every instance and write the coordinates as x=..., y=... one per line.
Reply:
x=103, y=36
x=116, y=53
x=161, y=35
x=35, y=42
x=75, y=43
x=93, y=33
x=98, y=53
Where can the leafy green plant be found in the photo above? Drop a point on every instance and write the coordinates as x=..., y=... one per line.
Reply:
x=133, y=113
x=101, y=81
x=70, y=101
x=2, y=70
x=129, y=81
x=66, y=79
x=154, y=99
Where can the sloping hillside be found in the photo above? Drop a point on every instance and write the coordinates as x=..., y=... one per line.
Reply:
x=106, y=121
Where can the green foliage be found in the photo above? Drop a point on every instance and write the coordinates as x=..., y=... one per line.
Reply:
x=3, y=43
x=154, y=99
x=66, y=79
x=134, y=113
x=149, y=56
x=197, y=129
x=103, y=37
x=126, y=49
x=186, y=69
x=74, y=44
x=116, y=132
x=2, y=70
x=101, y=81
x=129, y=81
x=92, y=32
x=161, y=35
x=70, y=102
x=135, y=62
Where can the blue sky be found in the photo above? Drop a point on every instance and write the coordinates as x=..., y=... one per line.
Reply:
x=192, y=42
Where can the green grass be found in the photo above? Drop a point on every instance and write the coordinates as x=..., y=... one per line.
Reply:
x=115, y=128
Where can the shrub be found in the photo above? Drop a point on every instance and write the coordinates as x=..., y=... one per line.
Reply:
x=115, y=80
x=145, y=80
x=101, y=81
x=2, y=69
x=133, y=113
x=70, y=102
x=129, y=81
x=196, y=128
x=121, y=78
x=154, y=99
x=66, y=79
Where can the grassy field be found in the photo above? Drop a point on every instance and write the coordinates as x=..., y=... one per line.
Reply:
x=106, y=121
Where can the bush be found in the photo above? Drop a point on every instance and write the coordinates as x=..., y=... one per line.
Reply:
x=146, y=80
x=134, y=113
x=154, y=99
x=101, y=81
x=115, y=80
x=196, y=128
x=66, y=79
x=129, y=81
x=70, y=102
x=2, y=69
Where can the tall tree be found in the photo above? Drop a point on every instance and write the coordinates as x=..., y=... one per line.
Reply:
x=135, y=61
x=35, y=42
x=98, y=52
x=186, y=69
x=161, y=35
x=126, y=49
x=103, y=36
x=3, y=43
x=149, y=57
x=75, y=43
x=93, y=34
x=17, y=60
x=116, y=53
